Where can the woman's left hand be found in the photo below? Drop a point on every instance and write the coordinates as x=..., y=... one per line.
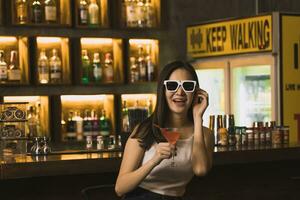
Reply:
x=200, y=107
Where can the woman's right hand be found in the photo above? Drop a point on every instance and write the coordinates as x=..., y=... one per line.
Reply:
x=163, y=151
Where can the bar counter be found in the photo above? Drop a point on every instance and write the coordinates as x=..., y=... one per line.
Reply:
x=89, y=162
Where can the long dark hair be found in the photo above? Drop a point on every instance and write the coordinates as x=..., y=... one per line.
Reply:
x=146, y=133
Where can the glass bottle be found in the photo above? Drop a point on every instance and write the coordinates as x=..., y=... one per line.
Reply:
x=142, y=64
x=131, y=16
x=149, y=14
x=43, y=68
x=14, y=72
x=108, y=68
x=37, y=11
x=134, y=71
x=150, y=107
x=79, y=126
x=231, y=131
x=21, y=7
x=150, y=68
x=87, y=123
x=94, y=13
x=219, y=126
x=125, y=119
x=3, y=68
x=50, y=11
x=71, y=127
x=140, y=13
x=32, y=122
x=55, y=68
x=97, y=69
x=104, y=124
x=83, y=12
x=85, y=67
x=95, y=123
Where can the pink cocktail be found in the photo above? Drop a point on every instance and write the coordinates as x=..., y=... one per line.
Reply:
x=171, y=135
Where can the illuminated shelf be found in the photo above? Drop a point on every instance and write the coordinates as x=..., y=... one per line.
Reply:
x=63, y=17
x=41, y=104
x=19, y=44
x=103, y=16
x=131, y=20
x=79, y=104
x=48, y=44
x=103, y=46
x=149, y=47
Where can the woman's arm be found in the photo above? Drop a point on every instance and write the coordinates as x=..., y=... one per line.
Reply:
x=131, y=172
x=202, y=149
x=203, y=138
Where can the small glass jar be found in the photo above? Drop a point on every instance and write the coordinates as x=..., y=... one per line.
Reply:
x=112, y=142
x=100, y=142
x=89, y=142
x=276, y=136
x=250, y=137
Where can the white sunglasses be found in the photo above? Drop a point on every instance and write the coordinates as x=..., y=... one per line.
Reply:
x=173, y=85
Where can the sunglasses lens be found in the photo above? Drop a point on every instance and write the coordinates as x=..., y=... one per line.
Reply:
x=171, y=85
x=188, y=86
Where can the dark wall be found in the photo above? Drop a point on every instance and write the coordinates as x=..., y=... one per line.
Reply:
x=182, y=13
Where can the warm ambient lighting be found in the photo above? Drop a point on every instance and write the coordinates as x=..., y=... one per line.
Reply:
x=8, y=39
x=76, y=98
x=142, y=97
x=46, y=40
x=95, y=41
x=29, y=99
x=142, y=41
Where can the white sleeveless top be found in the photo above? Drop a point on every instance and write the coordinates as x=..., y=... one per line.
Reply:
x=165, y=179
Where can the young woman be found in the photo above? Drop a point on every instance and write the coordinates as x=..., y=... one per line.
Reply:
x=146, y=172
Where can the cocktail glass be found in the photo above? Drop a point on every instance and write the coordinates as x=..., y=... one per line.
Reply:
x=171, y=135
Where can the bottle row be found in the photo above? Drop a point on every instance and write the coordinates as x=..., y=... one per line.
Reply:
x=101, y=60
x=88, y=13
x=226, y=133
x=81, y=115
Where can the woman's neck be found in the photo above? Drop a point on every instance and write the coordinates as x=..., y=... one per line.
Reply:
x=176, y=120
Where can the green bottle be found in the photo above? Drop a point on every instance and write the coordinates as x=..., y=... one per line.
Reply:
x=104, y=124
x=85, y=67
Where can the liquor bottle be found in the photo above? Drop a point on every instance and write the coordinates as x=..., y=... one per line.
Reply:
x=140, y=13
x=21, y=7
x=32, y=122
x=14, y=72
x=97, y=69
x=43, y=67
x=71, y=127
x=83, y=12
x=231, y=131
x=50, y=11
x=87, y=123
x=3, y=68
x=94, y=13
x=37, y=11
x=104, y=124
x=134, y=71
x=55, y=68
x=79, y=126
x=125, y=119
x=149, y=14
x=108, y=68
x=142, y=64
x=212, y=124
x=85, y=67
x=95, y=123
x=131, y=17
x=219, y=126
x=150, y=68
